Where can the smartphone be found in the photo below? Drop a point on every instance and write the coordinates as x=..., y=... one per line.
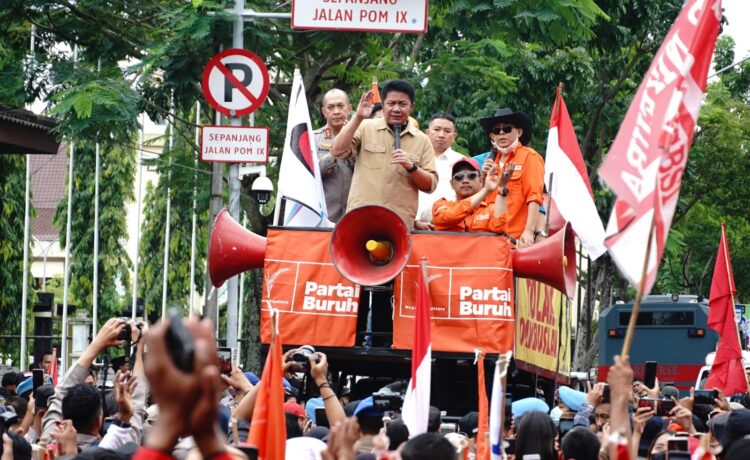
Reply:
x=649, y=374
x=251, y=452
x=706, y=396
x=665, y=407
x=179, y=342
x=566, y=424
x=677, y=448
x=321, y=419
x=225, y=359
x=605, y=394
x=37, y=380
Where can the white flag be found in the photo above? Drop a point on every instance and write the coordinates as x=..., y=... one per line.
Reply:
x=300, y=185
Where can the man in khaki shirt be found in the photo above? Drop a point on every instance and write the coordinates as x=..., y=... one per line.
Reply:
x=384, y=175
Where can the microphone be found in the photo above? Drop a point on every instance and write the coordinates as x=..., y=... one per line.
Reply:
x=397, y=133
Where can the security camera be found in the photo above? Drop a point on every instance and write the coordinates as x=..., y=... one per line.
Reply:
x=262, y=189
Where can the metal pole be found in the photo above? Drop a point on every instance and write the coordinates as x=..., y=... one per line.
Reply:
x=234, y=192
x=212, y=295
x=195, y=193
x=167, y=218
x=68, y=243
x=97, y=174
x=26, y=232
x=138, y=225
x=241, y=300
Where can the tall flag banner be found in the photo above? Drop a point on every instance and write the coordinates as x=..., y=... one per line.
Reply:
x=53, y=367
x=497, y=403
x=568, y=182
x=647, y=159
x=483, y=451
x=415, y=410
x=300, y=186
x=268, y=425
x=727, y=372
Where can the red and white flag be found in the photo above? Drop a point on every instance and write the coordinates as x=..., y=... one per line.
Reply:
x=300, y=186
x=570, y=189
x=727, y=372
x=646, y=161
x=416, y=408
x=268, y=424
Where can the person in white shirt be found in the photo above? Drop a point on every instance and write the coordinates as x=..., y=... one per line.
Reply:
x=442, y=132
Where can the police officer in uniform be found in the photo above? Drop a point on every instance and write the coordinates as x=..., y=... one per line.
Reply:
x=336, y=174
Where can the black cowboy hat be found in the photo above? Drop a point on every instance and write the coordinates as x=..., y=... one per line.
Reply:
x=506, y=115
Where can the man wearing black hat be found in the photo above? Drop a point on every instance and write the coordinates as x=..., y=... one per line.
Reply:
x=394, y=159
x=510, y=133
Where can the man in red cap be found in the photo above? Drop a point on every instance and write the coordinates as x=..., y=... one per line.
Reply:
x=510, y=133
x=471, y=212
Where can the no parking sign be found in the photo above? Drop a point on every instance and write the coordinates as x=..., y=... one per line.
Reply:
x=235, y=82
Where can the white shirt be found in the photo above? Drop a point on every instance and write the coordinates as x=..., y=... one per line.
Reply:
x=443, y=165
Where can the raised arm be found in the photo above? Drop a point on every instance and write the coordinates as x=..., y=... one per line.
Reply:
x=342, y=145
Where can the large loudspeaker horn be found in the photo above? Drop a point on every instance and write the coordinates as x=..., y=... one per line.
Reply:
x=552, y=261
x=233, y=249
x=370, y=245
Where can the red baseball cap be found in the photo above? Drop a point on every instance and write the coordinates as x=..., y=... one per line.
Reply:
x=294, y=409
x=472, y=163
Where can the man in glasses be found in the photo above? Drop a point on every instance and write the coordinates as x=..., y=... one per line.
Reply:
x=510, y=133
x=442, y=132
x=470, y=212
x=389, y=170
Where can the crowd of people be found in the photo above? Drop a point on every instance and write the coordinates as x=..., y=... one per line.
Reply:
x=161, y=406
x=377, y=155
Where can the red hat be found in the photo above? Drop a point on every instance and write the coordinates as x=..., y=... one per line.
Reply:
x=472, y=163
x=294, y=409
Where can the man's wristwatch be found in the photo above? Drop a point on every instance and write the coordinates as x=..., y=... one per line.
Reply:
x=504, y=191
x=120, y=423
x=413, y=168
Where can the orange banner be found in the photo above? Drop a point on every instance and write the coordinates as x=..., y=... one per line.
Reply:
x=471, y=286
x=318, y=306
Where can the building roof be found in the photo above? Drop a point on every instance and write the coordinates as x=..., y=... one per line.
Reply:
x=23, y=131
x=48, y=188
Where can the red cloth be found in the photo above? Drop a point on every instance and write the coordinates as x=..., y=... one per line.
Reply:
x=147, y=453
x=727, y=372
x=483, y=450
x=268, y=425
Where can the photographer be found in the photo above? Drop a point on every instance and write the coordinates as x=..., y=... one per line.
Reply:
x=81, y=403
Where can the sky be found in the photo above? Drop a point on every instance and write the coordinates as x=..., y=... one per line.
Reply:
x=736, y=11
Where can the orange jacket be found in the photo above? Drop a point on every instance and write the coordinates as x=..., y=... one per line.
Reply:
x=525, y=186
x=459, y=216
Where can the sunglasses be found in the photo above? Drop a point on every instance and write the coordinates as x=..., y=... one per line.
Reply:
x=458, y=177
x=506, y=129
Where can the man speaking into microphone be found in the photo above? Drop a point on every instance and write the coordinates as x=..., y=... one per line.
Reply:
x=394, y=159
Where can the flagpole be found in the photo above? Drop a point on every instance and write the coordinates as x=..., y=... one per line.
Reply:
x=639, y=295
x=730, y=276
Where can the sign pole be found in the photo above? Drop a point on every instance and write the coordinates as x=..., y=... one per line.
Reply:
x=195, y=193
x=167, y=220
x=97, y=177
x=234, y=191
x=138, y=221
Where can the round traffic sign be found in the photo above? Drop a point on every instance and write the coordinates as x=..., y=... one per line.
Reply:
x=235, y=82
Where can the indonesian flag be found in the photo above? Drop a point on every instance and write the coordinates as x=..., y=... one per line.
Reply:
x=727, y=372
x=646, y=161
x=300, y=187
x=497, y=406
x=53, y=367
x=416, y=408
x=568, y=182
x=268, y=425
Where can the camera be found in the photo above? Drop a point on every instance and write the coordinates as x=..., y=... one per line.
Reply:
x=386, y=400
x=262, y=189
x=301, y=358
x=662, y=407
x=126, y=332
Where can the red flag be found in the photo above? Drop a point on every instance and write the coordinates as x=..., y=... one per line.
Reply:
x=727, y=372
x=53, y=367
x=483, y=451
x=375, y=93
x=646, y=161
x=416, y=407
x=568, y=182
x=268, y=425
